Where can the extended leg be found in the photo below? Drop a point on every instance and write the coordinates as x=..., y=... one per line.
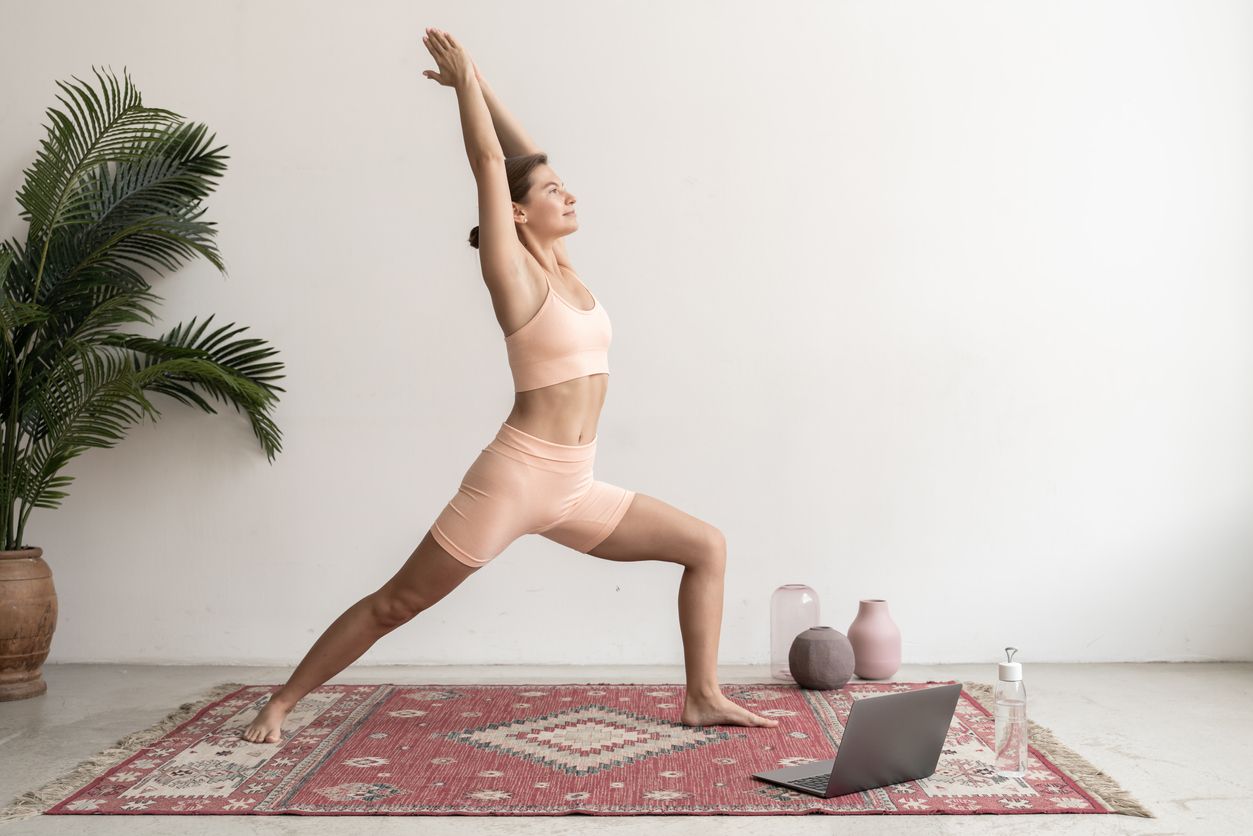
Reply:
x=428, y=575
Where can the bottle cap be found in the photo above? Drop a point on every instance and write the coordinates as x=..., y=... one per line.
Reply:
x=1009, y=671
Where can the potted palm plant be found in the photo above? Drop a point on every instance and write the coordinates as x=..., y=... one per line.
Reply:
x=116, y=187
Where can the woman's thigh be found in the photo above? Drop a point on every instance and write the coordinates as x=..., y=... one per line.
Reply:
x=655, y=530
x=505, y=494
x=591, y=510
x=427, y=576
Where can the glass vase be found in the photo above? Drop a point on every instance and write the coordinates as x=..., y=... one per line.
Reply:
x=794, y=608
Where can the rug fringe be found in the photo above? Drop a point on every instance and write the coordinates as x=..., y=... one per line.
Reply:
x=1088, y=775
x=35, y=802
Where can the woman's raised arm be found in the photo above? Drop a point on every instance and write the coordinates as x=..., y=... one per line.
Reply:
x=456, y=69
x=513, y=139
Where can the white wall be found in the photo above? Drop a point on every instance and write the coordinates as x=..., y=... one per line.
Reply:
x=947, y=304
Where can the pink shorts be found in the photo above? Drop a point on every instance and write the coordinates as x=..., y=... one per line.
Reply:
x=523, y=484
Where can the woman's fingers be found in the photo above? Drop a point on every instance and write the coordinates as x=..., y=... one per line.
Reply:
x=448, y=52
x=443, y=39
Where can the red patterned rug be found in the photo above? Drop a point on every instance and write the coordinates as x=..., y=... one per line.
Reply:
x=605, y=749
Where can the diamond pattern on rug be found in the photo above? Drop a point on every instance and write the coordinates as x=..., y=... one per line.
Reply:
x=604, y=749
x=587, y=740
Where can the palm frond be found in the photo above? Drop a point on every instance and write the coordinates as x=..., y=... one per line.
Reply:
x=87, y=400
x=235, y=372
x=116, y=189
x=91, y=131
x=145, y=208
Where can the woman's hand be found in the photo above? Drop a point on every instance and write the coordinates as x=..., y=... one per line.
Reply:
x=456, y=67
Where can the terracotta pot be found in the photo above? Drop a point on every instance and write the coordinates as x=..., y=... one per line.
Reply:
x=876, y=640
x=28, y=617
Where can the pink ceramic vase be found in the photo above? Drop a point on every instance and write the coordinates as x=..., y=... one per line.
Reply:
x=876, y=640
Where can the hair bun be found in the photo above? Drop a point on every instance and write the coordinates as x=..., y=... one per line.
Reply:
x=518, y=172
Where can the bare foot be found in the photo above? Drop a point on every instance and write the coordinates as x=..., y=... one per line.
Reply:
x=268, y=727
x=720, y=711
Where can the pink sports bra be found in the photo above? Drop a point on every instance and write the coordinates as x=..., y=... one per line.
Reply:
x=560, y=343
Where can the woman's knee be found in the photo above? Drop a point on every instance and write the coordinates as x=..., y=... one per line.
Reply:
x=393, y=607
x=427, y=577
x=713, y=547
x=717, y=544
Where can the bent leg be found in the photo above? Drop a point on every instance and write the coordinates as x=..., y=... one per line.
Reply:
x=655, y=530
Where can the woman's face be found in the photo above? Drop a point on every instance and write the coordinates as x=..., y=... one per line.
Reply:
x=549, y=208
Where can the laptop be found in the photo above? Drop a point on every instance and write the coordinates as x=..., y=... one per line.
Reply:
x=887, y=740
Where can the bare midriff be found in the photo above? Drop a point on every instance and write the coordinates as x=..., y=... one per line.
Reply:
x=564, y=413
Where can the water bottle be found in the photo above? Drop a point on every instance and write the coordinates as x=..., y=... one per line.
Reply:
x=1011, y=718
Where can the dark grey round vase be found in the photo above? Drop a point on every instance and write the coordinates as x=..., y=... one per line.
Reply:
x=821, y=658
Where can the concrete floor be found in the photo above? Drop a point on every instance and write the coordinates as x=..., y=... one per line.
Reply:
x=1178, y=737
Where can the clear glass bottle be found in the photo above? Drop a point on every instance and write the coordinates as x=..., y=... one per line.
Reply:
x=794, y=608
x=1011, y=718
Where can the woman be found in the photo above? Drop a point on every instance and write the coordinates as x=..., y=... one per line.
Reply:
x=536, y=475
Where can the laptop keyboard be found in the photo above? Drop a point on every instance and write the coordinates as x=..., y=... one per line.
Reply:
x=815, y=782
